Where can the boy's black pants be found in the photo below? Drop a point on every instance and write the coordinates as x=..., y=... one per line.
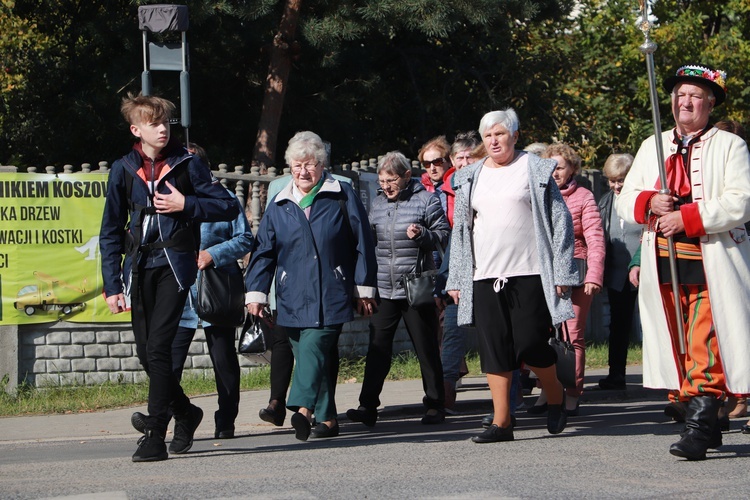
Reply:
x=156, y=311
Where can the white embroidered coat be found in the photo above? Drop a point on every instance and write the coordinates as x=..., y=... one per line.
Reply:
x=720, y=178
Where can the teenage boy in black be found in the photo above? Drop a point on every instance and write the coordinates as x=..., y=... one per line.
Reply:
x=157, y=195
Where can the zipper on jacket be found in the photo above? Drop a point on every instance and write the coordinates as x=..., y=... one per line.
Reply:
x=180, y=287
x=393, y=249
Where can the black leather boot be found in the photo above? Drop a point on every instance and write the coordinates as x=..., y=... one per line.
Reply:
x=700, y=429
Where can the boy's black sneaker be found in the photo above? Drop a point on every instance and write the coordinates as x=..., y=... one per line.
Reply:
x=184, y=429
x=151, y=448
x=138, y=421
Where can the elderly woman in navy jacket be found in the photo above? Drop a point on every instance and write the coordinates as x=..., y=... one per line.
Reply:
x=409, y=223
x=315, y=240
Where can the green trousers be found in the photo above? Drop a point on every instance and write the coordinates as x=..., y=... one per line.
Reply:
x=312, y=388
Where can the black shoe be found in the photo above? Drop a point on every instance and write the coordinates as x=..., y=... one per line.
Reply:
x=151, y=448
x=701, y=429
x=676, y=411
x=692, y=446
x=323, y=431
x=494, y=434
x=364, y=415
x=716, y=440
x=557, y=418
x=273, y=416
x=612, y=384
x=745, y=429
x=302, y=426
x=723, y=423
x=487, y=421
x=433, y=417
x=224, y=434
x=184, y=430
x=138, y=421
x=538, y=409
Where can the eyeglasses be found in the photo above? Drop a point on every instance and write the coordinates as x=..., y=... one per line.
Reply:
x=438, y=162
x=308, y=167
x=389, y=182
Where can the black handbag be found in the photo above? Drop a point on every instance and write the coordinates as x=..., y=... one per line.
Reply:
x=221, y=297
x=420, y=285
x=419, y=288
x=255, y=338
x=566, y=356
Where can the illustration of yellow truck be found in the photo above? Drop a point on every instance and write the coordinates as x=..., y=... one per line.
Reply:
x=50, y=294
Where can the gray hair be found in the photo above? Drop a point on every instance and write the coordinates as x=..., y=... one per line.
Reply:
x=465, y=140
x=305, y=145
x=617, y=165
x=536, y=148
x=394, y=163
x=506, y=118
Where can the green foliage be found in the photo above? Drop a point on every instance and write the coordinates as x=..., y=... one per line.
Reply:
x=603, y=103
x=370, y=76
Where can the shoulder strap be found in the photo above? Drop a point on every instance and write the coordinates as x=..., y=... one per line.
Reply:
x=184, y=239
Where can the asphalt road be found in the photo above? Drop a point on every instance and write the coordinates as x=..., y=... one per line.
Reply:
x=617, y=448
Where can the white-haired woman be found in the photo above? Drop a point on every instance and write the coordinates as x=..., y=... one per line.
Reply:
x=315, y=240
x=510, y=275
x=623, y=240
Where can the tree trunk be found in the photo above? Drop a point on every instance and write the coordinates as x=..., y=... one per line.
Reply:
x=264, y=153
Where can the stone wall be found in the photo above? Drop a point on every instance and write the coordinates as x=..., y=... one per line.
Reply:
x=73, y=353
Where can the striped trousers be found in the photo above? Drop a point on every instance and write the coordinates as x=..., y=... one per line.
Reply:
x=700, y=368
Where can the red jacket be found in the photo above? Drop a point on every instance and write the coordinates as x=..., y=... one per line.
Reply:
x=450, y=195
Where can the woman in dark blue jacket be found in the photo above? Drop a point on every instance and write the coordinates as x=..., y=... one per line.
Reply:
x=315, y=240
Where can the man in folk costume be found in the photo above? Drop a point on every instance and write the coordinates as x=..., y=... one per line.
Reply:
x=708, y=176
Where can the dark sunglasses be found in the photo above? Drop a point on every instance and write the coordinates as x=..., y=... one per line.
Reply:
x=438, y=162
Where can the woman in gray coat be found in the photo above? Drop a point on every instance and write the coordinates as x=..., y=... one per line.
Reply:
x=623, y=239
x=409, y=223
x=511, y=266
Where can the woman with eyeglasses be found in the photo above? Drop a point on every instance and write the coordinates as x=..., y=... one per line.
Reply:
x=408, y=223
x=315, y=240
x=623, y=240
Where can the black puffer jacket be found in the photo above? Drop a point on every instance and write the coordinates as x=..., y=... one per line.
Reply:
x=396, y=253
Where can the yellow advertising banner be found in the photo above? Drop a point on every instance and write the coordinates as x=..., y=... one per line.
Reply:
x=50, y=266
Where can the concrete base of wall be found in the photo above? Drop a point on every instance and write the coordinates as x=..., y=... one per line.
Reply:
x=65, y=353
x=9, y=358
